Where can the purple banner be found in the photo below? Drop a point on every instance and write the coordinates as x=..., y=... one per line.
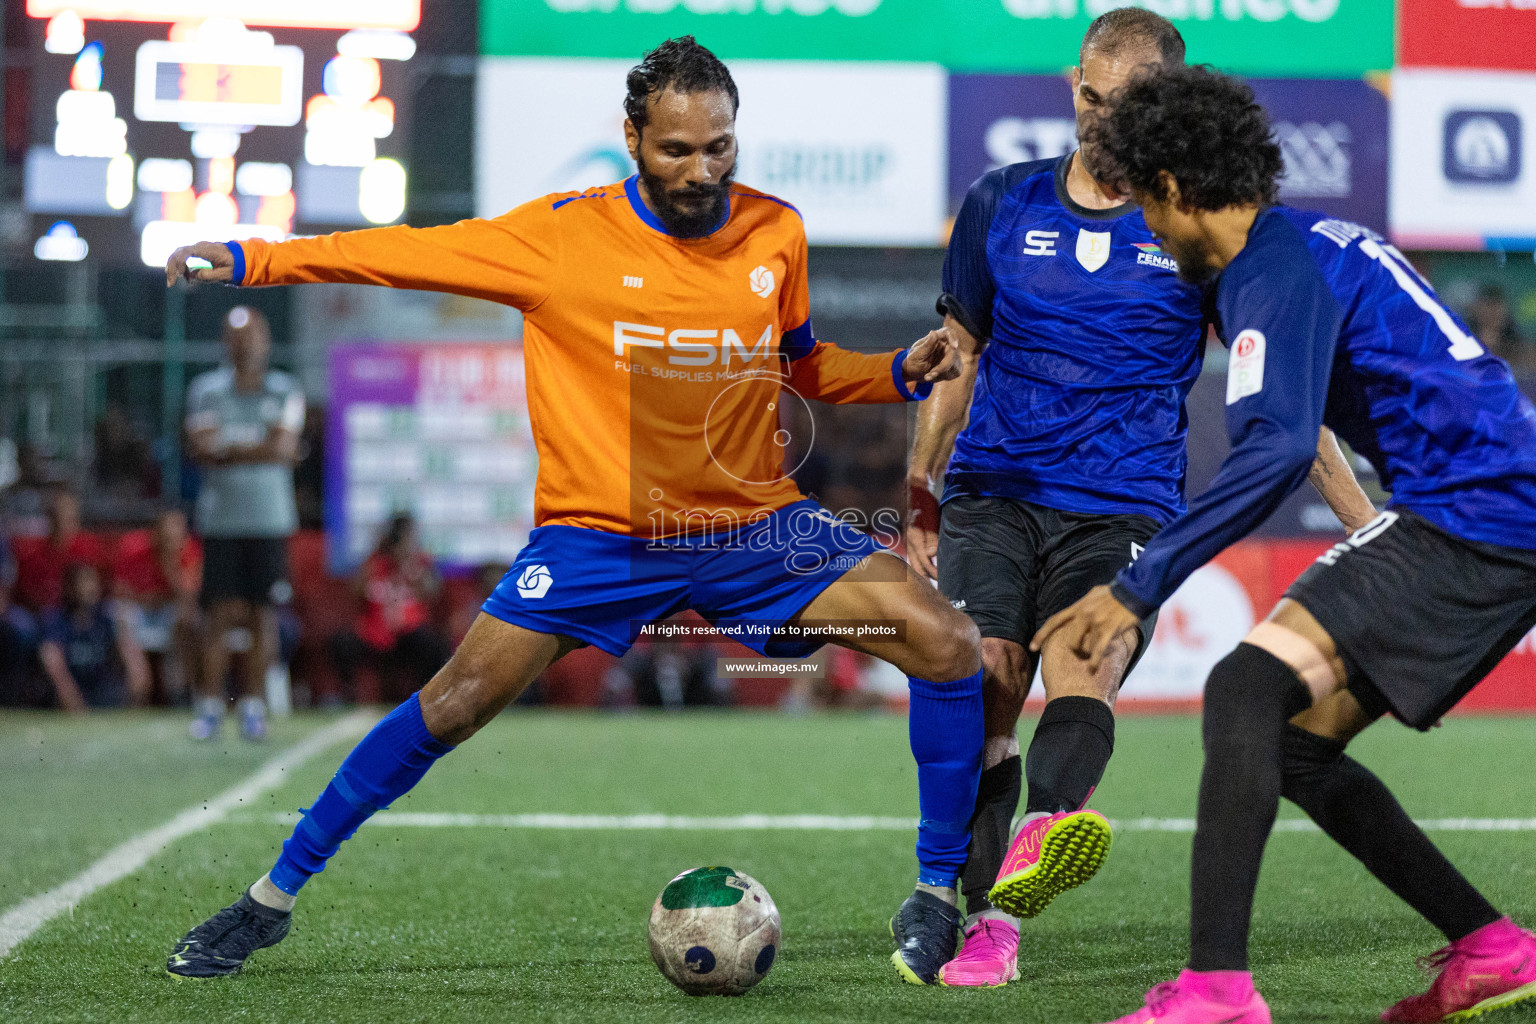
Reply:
x=440, y=431
x=1333, y=135
x=1332, y=132
x=996, y=120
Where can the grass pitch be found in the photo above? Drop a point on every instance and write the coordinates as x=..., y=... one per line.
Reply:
x=475, y=924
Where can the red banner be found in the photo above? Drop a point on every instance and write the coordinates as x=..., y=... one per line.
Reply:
x=1483, y=34
x=1205, y=619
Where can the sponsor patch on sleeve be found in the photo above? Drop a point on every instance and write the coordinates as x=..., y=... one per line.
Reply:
x=1245, y=367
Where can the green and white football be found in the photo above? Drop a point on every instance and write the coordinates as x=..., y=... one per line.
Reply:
x=714, y=932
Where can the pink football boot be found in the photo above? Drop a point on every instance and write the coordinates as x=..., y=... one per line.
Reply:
x=1494, y=966
x=1202, y=997
x=1051, y=854
x=989, y=958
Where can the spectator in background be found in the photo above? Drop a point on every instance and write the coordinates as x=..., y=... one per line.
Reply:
x=125, y=464
x=41, y=561
x=91, y=659
x=156, y=578
x=309, y=473
x=394, y=632
x=18, y=640
x=243, y=425
x=1491, y=323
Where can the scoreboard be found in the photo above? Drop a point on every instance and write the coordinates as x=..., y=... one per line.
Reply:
x=155, y=123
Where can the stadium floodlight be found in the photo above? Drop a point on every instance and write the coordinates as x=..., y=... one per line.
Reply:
x=160, y=238
x=402, y=15
x=376, y=43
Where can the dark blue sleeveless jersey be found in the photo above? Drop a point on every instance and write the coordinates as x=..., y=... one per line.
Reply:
x=1328, y=324
x=1092, y=344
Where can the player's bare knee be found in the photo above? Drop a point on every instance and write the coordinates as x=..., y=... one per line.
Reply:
x=1305, y=658
x=962, y=648
x=945, y=649
x=460, y=698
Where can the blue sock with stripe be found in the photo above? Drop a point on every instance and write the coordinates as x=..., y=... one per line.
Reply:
x=946, y=727
x=388, y=761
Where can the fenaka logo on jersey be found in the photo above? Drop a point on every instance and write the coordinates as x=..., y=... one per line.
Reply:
x=687, y=347
x=1092, y=248
x=1040, y=243
x=761, y=281
x=1245, y=367
x=1151, y=254
x=534, y=582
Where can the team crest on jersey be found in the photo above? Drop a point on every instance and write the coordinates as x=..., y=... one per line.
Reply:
x=762, y=282
x=1245, y=366
x=1092, y=248
x=1151, y=254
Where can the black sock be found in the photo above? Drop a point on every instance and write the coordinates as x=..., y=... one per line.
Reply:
x=997, y=798
x=1067, y=756
x=1249, y=699
x=1360, y=814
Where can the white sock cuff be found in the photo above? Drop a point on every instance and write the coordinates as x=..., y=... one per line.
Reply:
x=991, y=915
x=269, y=895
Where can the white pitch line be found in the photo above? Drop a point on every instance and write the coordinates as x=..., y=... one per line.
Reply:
x=803, y=822
x=28, y=916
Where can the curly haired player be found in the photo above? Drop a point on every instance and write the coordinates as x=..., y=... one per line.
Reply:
x=1061, y=448
x=1327, y=324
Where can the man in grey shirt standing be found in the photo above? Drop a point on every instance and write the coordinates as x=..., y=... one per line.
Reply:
x=243, y=424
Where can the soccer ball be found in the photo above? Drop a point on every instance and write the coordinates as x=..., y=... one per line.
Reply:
x=714, y=932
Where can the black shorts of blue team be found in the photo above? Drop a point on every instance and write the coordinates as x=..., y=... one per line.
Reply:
x=1418, y=615
x=1011, y=564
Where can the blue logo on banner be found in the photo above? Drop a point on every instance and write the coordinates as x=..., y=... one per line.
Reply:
x=1482, y=147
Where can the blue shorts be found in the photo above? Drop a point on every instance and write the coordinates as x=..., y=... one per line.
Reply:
x=749, y=581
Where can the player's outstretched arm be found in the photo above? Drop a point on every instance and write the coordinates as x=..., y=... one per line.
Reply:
x=512, y=259
x=939, y=421
x=1335, y=481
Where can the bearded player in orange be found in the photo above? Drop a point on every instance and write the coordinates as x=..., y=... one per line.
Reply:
x=666, y=320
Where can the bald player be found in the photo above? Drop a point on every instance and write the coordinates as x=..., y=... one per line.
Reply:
x=243, y=424
x=1061, y=451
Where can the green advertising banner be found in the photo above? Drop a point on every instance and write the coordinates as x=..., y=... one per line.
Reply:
x=1312, y=38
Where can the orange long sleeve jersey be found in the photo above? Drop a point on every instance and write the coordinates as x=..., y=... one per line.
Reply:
x=656, y=365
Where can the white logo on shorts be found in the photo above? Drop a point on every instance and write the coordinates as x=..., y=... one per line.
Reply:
x=534, y=582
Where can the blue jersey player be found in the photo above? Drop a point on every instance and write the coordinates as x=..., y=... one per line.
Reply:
x=1081, y=345
x=1326, y=323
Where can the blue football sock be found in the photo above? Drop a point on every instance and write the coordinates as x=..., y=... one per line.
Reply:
x=391, y=759
x=947, y=730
